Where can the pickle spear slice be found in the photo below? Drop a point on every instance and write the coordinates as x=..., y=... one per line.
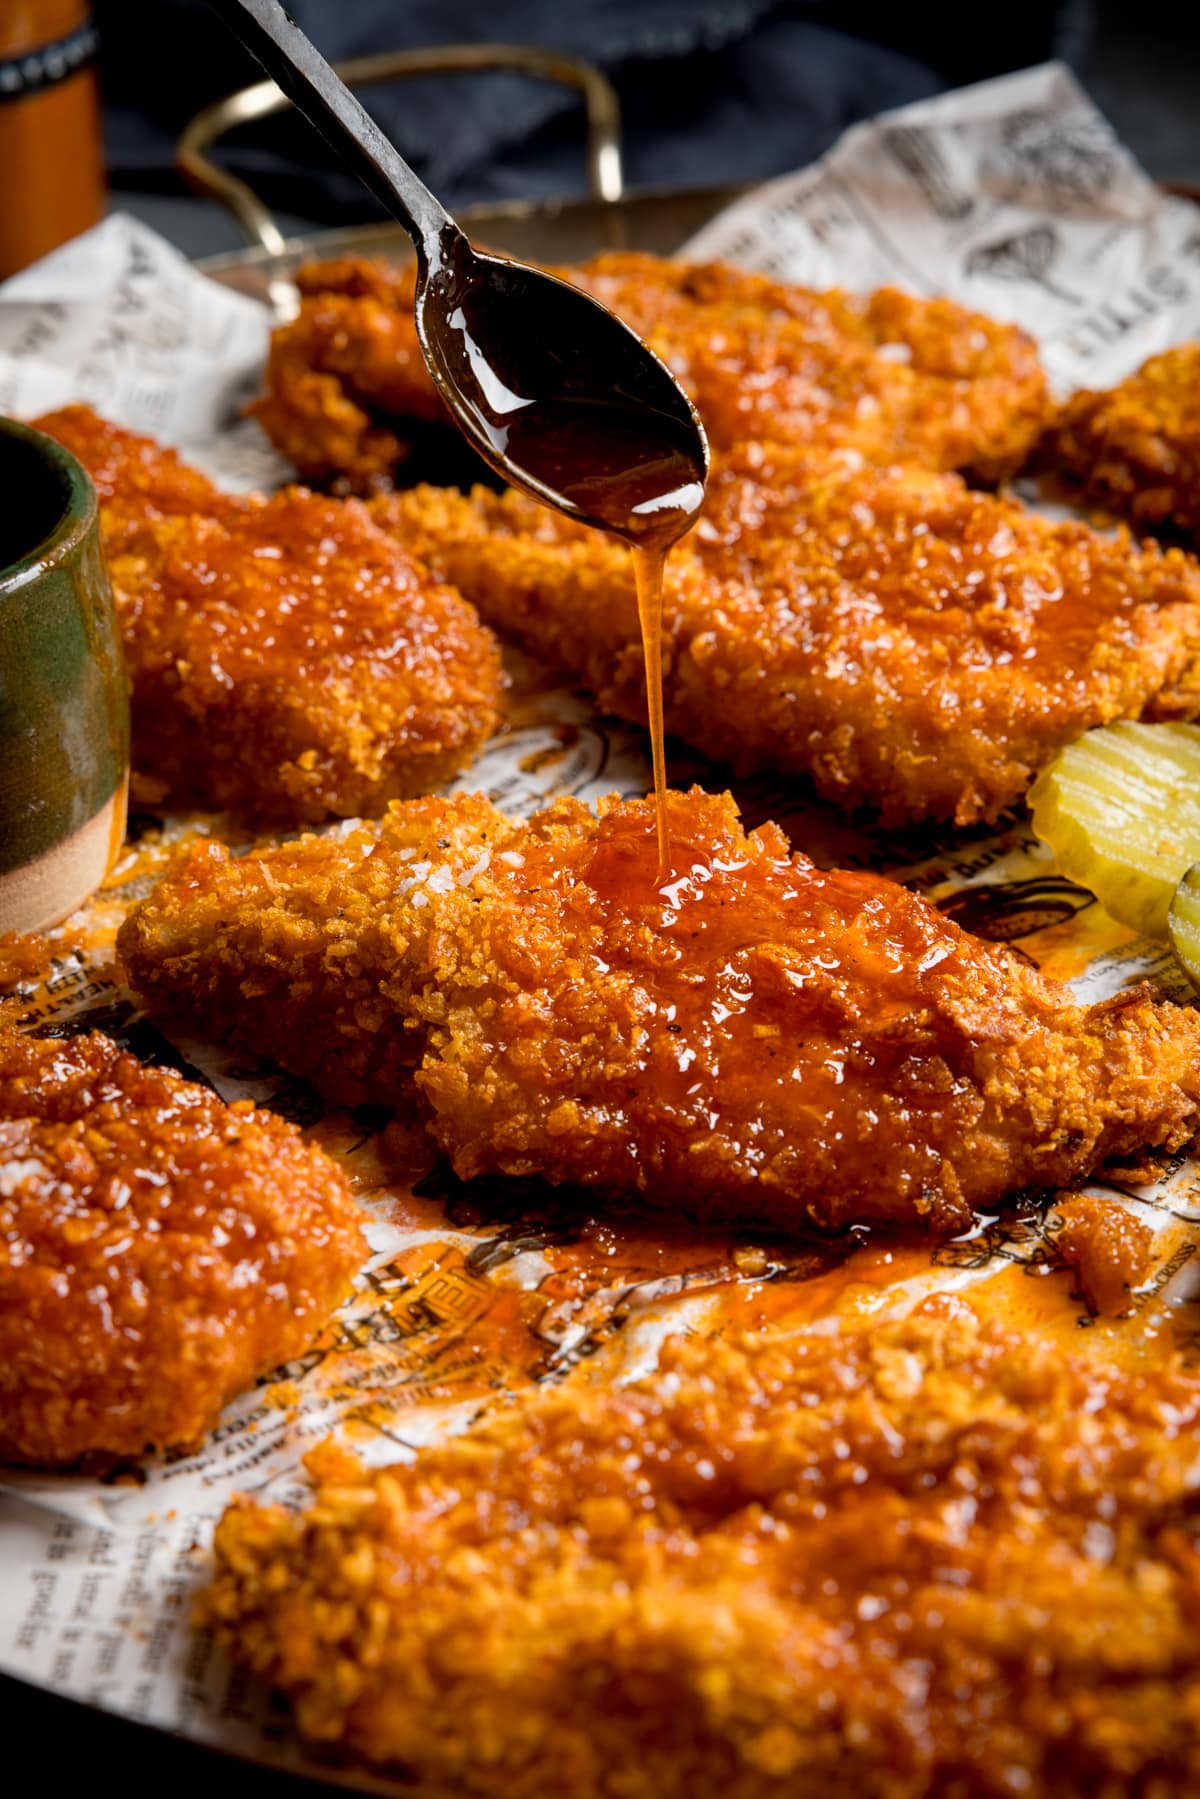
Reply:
x=1120, y=808
x=1183, y=922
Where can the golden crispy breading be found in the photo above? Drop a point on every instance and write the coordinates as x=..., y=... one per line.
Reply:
x=756, y=1038
x=1136, y=449
x=288, y=663
x=888, y=375
x=136, y=479
x=928, y=1558
x=910, y=645
x=158, y=1250
x=310, y=952
x=288, y=660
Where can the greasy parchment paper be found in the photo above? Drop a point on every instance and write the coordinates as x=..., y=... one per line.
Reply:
x=1014, y=197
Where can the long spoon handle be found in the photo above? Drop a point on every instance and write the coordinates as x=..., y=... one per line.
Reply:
x=306, y=78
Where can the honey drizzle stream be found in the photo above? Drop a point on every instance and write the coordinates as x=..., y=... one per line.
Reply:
x=626, y=453
x=648, y=566
x=615, y=462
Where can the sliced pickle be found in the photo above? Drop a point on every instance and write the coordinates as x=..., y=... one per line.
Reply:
x=1183, y=922
x=1120, y=808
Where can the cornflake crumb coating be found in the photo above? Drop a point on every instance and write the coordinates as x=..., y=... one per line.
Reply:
x=287, y=659
x=1135, y=448
x=913, y=647
x=888, y=374
x=753, y=1038
x=928, y=1558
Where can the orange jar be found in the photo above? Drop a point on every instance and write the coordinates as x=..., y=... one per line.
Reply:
x=51, y=165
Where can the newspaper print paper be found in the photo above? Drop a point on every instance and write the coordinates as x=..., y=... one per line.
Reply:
x=1013, y=196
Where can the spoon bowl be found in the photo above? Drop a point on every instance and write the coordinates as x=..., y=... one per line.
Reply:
x=557, y=394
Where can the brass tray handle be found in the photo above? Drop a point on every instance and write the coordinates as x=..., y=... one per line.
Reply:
x=264, y=99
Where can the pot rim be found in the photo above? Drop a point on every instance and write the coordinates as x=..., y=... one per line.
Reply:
x=75, y=522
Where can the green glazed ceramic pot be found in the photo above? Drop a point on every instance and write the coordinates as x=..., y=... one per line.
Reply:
x=64, y=707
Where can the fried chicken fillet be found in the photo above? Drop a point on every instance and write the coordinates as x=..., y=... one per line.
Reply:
x=287, y=659
x=888, y=375
x=928, y=1558
x=1136, y=448
x=912, y=646
x=158, y=1250
x=756, y=1038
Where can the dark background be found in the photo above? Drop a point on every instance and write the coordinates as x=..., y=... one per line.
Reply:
x=712, y=90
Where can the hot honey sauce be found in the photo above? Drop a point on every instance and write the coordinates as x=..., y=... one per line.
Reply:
x=632, y=471
x=617, y=462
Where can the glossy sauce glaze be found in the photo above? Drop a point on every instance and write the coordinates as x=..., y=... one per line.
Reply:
x=158, y=1249
x=755, y=964
x=286, y=659
x=757, y=1038
x=930, y=1557
x=617, y=465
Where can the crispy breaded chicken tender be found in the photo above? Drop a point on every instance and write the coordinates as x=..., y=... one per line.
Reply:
x=888, y=375
x=287, y=660
x=1136, y=447
x=755, y=1038
x=928, y=1557
x=158, y=1250
x=912, y=646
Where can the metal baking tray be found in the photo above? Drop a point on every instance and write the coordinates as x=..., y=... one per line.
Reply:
x=558, y=230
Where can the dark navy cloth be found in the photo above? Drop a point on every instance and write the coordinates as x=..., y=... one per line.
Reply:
x=711, y=90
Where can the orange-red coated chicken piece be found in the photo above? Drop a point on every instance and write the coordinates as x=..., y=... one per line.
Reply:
x=754, y=1038
x=287, y=659
x=928, y=1558
x=913, y=647
x=158, y=1250
x=889, y=375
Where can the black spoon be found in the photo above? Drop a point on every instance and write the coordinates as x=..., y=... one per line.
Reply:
x=550, y=387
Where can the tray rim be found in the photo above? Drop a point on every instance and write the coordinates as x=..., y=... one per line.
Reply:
x=640, y=205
